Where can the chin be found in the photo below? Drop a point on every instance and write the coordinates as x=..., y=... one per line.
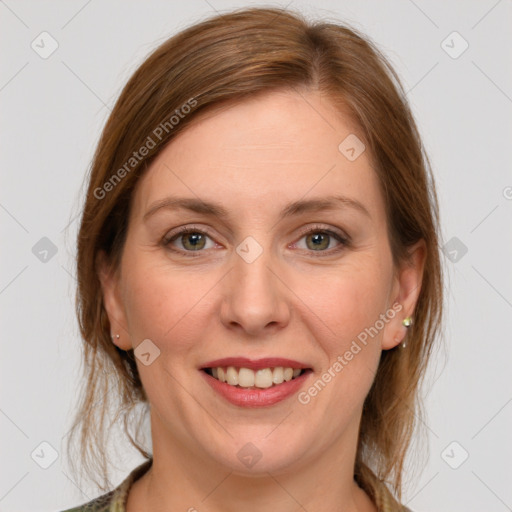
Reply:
x=262, y=453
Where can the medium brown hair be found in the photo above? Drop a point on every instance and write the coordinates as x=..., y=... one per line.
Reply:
x=227, y=59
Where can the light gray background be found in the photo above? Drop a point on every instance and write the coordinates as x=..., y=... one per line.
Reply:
x=52, y=111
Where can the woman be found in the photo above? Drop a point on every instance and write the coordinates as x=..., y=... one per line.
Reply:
x=258, y=264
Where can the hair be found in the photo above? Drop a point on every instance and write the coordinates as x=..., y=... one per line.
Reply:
x=220, y=61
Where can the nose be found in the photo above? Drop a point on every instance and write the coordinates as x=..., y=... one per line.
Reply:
x=256, y=299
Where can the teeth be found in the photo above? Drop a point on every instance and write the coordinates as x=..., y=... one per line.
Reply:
x=263, y=378
x=245, y=377
x=231, y=376
x=278, y=375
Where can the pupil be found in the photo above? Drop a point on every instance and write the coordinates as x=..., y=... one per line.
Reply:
x=319, y=241
x=193, y=239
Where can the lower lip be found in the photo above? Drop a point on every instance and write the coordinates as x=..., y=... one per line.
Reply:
x=256, y=397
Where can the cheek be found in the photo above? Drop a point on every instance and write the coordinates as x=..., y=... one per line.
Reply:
x=160, y=302
x=349, y=301
x=163, y=304
x=350, y=308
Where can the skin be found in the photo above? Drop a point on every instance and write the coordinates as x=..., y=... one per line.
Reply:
x=294, y=301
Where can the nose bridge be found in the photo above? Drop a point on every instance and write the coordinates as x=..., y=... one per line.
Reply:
x=256, y=298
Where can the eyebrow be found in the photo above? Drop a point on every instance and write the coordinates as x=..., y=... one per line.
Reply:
x=328, y=203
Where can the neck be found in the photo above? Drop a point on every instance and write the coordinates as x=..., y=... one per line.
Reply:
x=180, y=479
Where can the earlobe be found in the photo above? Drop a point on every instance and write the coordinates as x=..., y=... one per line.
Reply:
x=406, y=291
x=112, y=302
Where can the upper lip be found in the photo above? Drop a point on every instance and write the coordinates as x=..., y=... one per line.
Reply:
x=254, y=364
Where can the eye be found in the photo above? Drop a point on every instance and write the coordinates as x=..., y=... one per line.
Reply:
x=190, y=239
x=319, y=239
x=193, y=240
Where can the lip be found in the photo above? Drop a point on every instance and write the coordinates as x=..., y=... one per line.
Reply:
x=256, y=364
x=254, y=397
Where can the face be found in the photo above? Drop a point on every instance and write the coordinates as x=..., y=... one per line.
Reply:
x=286, y=264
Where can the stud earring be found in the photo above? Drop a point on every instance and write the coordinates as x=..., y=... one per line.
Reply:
x=116, y=336
x=407, y=322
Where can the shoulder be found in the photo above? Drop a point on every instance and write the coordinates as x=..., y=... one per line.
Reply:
x=115, y=500
x=386, y=501
x=102, y=503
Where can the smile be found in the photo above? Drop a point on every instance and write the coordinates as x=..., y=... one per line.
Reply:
x=248, y=378
x=255, y=383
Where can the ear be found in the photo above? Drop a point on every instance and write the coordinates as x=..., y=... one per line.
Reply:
x=404, y=296
x=109, y=279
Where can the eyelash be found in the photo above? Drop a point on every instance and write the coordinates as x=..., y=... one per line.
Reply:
x=343, y=239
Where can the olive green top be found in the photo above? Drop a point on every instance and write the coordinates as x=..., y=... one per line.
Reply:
x=115, y=500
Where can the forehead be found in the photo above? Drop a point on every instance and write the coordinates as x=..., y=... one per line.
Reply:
x=270, y=150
